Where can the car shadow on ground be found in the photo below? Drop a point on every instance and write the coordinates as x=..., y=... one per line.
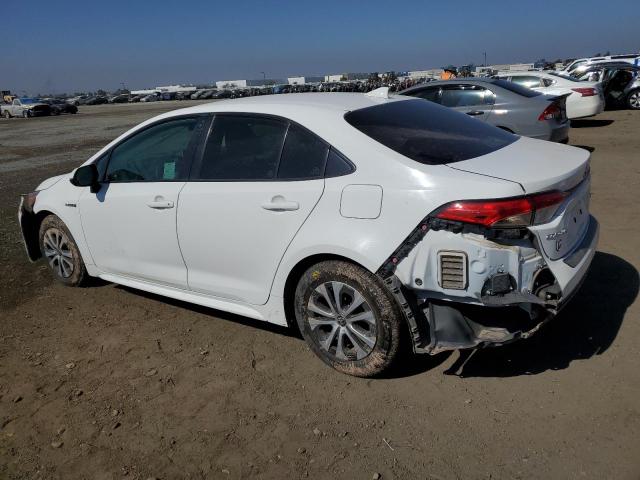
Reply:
x=586, y=327
x=215, y=314
x=590, y=123
x=586, y=147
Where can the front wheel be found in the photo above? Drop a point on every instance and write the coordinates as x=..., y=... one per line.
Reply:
x=348, y=318
x=633, y=99
x=61, y=252
x=26, y=114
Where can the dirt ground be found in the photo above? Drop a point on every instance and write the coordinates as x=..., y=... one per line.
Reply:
x=107, y=382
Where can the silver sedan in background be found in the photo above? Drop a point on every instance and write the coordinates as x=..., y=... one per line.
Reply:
x=506, y=105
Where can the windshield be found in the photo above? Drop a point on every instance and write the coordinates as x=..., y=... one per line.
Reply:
x=27, y=101
x=428, y=133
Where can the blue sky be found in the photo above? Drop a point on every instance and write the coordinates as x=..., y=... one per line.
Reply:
x=78, y=45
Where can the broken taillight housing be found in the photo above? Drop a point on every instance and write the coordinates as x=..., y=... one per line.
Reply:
x=504, y=213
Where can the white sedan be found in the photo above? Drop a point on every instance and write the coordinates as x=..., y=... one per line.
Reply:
x=362, y=220
x=584, y=99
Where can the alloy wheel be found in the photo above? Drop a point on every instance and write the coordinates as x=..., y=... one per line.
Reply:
x=58, y=252
x=341, y=321
x=634, y=99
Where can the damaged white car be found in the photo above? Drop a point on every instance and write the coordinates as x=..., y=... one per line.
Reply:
x=363, y=220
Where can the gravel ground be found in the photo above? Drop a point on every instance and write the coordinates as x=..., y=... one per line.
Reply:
x=108, y=382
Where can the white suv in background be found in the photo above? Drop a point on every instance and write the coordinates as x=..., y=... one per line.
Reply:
x=584, y=99
x=631, y=58
x=359, y=219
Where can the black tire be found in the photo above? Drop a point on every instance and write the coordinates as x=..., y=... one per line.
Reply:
x=7, y=115
x=26, y=114
x=382, y=332
x=633, y=99
x=70, y=270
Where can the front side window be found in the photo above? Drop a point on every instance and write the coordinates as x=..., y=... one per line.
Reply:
x=242, y=147
x=304, y=155
x=158, y=153
x=428, y=133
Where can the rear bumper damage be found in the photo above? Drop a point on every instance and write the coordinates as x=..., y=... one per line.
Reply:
x=511, y=288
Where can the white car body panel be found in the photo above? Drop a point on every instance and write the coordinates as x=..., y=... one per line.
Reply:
x=128, y=235
x=535, y=164
x=235, y=238
x=220, y=248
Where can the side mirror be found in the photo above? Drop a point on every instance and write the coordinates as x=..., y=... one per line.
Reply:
x=87, y=176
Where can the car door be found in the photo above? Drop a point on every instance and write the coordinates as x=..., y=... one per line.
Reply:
x=247, y=197
x=130, y=223
x=16, y=108
x=474, y=100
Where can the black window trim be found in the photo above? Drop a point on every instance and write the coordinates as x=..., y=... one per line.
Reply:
x=199, y=156
x=197, y=140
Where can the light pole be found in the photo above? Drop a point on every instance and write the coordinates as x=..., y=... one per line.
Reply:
x=264, y=77
x=485, y=59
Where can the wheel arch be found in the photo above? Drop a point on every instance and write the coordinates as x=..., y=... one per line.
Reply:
x=30, y=226
x=294, y=275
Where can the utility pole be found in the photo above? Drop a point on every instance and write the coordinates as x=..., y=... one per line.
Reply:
x=264, y=77
x=485, y=59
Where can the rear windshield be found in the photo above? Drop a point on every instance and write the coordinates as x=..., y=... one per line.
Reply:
x=515, y=88
x=428, y=133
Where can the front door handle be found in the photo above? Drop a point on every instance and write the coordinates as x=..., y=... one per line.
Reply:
x=475, y=113
x=280, y=204
x=159, y=203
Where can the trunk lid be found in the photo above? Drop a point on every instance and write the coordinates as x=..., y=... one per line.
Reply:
x=537, y=165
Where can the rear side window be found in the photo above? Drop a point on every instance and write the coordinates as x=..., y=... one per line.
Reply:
x=428, y=133
x=242, y=148
x=337, y=165
x=515, y=88
x=303, y=156
x=463, y=96
x=432, y=94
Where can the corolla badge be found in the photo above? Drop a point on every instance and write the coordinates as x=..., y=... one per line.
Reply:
x=557, y=236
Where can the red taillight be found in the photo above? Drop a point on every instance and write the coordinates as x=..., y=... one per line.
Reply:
x=504, y=213
x=586, y=92
x=551, y=112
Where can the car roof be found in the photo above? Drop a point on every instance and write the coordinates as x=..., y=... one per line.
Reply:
x=308, y=103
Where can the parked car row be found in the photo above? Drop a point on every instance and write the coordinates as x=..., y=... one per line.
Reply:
x=34, y=107
x=507, y=105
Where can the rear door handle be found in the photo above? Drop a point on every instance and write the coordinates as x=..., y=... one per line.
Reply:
x=475, y=113
x=160, y=203
x=280, y=204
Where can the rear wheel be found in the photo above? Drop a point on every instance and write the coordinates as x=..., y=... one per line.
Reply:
x=348, y=318
x=633, y=99
x=61, y=252
x=7, y=114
